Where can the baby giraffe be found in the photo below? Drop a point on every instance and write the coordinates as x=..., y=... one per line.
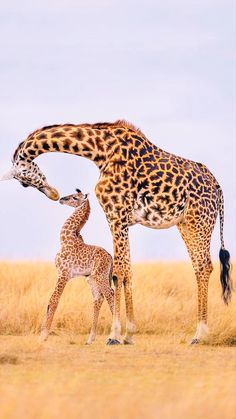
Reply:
x=76, y=258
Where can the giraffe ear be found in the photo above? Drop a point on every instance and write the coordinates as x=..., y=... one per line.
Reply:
x=9, y=175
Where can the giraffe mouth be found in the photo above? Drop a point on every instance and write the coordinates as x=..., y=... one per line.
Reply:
x=62, y=200
x=50, y=192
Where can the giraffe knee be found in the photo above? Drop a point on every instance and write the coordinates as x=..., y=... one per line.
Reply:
x=208, y=267
x=203, y=267
x=98, y=298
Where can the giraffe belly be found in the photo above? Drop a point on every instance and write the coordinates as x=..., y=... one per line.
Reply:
x=79, y=271
x=155, y=222
x=159, y=224
x=152, y=217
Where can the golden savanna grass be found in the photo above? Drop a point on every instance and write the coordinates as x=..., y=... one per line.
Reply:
x=161, y=376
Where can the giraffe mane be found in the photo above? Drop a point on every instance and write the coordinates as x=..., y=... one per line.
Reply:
x=126, y=124
x=118, y=123
x=16, y=151
x=97, y=125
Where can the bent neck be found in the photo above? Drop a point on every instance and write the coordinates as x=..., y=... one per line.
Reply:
x=89, y=141
x=74, y=224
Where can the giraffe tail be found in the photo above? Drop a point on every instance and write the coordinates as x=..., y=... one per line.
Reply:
x=224, y=255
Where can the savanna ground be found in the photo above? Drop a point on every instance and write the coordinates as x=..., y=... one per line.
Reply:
x=161, y=376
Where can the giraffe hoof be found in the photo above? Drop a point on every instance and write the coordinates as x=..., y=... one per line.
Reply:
x=43, y=336
x=194, y=341
x=113, y=342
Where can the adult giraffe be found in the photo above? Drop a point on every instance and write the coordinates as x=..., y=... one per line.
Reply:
x=138, y=183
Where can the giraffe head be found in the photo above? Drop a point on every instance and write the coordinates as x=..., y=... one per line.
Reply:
x=29, y=174
x=74, y=200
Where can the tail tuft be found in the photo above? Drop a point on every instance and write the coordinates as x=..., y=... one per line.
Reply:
x=225, y=279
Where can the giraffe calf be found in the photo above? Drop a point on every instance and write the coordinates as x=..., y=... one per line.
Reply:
x=76, y=258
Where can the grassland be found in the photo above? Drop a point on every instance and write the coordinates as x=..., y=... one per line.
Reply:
x=161, y=376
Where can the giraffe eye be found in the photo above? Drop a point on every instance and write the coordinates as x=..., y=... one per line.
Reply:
x=24, y=184
x=75, y=199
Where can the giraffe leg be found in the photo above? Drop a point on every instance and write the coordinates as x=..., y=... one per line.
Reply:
x=99, y=282
x=97, y=303
x=52, y=306
x=130, y=324
x=115, y=336
x=197, y=241
x=121, y=274
x=101, y=273
x=202, y=273
x=108, y=293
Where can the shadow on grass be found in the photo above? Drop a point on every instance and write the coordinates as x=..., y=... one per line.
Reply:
x=230, y=342
x=8, y=359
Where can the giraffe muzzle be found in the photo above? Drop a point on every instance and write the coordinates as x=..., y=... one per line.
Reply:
x=63, y=200
x=50, y=192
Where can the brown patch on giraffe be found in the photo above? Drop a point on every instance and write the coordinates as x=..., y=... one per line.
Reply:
x=91, y=143
x=75, y=148
x=46, y=145
x=41, y=137
x=58, y=134
x=66, y=144
x=90, y=132
x=78, y=134
x=55, y=146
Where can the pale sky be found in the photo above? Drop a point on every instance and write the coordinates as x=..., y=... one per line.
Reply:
x=168, y=67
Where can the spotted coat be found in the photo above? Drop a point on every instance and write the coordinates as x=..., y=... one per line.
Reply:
x=77, y=258
x=138, y=183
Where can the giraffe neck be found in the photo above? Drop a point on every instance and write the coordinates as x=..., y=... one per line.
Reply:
x=94, y=142
x=74, y=224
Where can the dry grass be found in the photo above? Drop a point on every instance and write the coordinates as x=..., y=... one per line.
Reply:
x=164, y=294
x=159, y=377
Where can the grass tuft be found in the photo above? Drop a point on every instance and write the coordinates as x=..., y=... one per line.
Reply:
x=161, y=376
x=165, y=302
